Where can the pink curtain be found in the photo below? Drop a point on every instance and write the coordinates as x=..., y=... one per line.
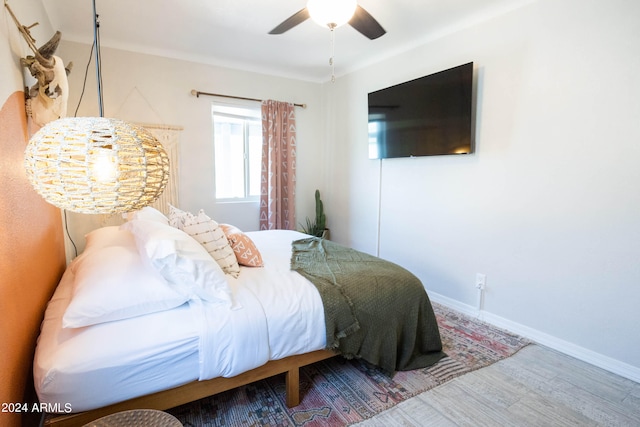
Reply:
x=278, y=176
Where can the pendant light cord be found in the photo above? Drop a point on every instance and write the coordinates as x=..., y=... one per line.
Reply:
x=332, y=27
x=84, y=83
x=96, y=47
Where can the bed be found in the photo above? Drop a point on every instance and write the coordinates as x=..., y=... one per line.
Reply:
x=159, y=312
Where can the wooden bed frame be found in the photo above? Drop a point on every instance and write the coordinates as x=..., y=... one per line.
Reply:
x=199, y=389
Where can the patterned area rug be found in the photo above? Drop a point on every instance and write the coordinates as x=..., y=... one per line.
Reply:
x=339, y=392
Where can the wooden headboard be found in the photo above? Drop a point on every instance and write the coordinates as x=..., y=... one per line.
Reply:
x=32, y=259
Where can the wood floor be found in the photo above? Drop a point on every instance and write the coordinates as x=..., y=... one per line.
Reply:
x=535, y=387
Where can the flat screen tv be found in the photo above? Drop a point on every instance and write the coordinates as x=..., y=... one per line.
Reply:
x=428, y=116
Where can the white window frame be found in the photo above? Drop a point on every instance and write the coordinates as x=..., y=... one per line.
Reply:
x=245, y=112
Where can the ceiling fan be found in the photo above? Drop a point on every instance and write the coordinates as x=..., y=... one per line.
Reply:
x=332, y=14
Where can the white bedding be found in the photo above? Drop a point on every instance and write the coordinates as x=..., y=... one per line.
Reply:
x=281, y=314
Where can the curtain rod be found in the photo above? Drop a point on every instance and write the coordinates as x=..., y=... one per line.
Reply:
x=197, y=94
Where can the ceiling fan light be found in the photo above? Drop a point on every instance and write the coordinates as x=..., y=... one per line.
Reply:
x=331, y=13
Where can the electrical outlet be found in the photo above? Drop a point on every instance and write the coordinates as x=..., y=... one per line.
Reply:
x=481, y=280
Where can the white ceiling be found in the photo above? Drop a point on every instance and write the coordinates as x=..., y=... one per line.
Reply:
x=233, y=33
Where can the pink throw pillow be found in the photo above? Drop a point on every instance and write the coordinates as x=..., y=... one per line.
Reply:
x=246, y=251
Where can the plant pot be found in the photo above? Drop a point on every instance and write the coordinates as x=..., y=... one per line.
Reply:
x=325, y=234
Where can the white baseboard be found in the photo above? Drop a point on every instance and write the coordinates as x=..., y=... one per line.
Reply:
x=607, y=363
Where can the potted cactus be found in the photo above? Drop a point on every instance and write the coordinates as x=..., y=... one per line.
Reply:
x=317, y=227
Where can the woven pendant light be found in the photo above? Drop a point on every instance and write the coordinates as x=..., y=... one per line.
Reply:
x=96, y=165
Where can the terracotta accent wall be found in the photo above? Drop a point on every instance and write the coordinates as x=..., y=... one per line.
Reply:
x=32, y=258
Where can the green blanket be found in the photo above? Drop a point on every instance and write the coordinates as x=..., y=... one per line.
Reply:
x=374, y=309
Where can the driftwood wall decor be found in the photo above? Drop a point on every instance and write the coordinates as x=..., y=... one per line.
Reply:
x=47, y=98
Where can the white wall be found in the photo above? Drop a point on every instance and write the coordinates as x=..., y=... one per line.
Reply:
x=549, y=205
x=152, y=89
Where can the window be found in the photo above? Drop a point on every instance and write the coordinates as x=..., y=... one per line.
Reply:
x=237, y=138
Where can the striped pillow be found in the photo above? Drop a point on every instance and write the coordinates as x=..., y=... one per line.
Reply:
x=209, y=234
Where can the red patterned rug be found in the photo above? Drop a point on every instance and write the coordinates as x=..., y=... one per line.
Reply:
x=339, y=392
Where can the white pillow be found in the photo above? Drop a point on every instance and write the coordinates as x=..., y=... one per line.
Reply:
x=181, y=260
x=147, y=212
x=209, y=234
x=112, y=283
x=108, y=236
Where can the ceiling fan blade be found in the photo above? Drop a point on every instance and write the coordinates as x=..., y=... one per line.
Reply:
x=291, y=21
x=366, y=24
